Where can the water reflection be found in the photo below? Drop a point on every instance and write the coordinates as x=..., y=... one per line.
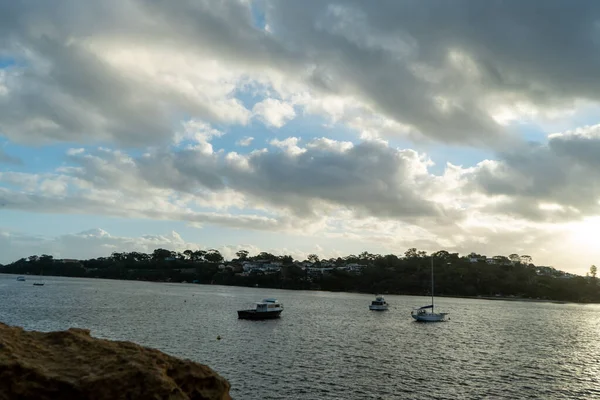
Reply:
x=329, y=345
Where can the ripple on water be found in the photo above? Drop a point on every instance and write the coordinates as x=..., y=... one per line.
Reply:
x=329, y=345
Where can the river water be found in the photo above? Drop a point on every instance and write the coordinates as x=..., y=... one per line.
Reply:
x=329, y=345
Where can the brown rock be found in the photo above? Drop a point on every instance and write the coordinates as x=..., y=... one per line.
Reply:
x=73, y=365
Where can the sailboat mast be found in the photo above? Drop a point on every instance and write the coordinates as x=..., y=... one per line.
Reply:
x=432, y=283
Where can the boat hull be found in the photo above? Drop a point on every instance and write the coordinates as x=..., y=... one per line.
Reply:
x=254, y=315
x=429, y=317
x=378, y=308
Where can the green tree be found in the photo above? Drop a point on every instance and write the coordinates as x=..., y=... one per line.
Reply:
x=198, y=255
x=313, y=258
x=242, y=255
x=263, y=255
x=526, y=259
x=45, y=258
x=441, y=254
x=213, y=256
x=287, y=260
x=162, y=254
x=411, y=253
x=117, y=257
x=593, y=271
x=501, y=260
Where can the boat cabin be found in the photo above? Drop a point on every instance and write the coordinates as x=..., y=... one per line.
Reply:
x=422, y=310
x=379, y=301
x=269, y=305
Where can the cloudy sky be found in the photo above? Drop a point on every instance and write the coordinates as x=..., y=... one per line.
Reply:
x=301, y=127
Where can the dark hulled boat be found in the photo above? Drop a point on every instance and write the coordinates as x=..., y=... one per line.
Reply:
x=266, y=309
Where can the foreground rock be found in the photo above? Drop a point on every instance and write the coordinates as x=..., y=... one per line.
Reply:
x=73, y=365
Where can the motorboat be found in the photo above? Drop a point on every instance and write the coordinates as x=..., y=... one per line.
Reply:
x=422, y=314
x=379, y=304
x=21, y=278
x=266, y=309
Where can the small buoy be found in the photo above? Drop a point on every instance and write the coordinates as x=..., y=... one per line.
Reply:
x=219, y=337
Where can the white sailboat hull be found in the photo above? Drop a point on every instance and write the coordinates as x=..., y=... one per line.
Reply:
x=429, y=317
x=421, y=315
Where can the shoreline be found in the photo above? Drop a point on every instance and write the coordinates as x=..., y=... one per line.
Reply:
x=515, y=299
x=496, y=298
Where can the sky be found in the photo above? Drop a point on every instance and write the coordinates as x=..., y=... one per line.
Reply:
x=299, y=127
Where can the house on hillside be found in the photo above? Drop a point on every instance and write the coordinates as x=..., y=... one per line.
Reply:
x=68, y=261
x=353, y=267
x=476, y=258
x=263, y=266
x=303, y=264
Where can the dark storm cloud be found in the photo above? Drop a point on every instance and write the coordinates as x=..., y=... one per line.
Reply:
x=369, y=178
x=564, y=173
x=59, y=89
x=544, y=52
x=396, y=57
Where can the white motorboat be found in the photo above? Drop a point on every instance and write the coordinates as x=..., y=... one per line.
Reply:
x=422, y=314
x=379, y=304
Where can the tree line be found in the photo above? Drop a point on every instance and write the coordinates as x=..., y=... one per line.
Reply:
x=471, y=275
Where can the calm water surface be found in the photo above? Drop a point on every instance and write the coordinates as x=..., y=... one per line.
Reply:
x=329, y=345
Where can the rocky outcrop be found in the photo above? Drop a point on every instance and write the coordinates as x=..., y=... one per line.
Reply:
x=73, y=365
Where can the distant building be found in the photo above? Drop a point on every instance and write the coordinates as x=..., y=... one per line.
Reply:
x=68, y=261
x=263, y=266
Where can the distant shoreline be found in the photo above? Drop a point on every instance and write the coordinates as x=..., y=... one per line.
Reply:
x=515, y=299
x=504, y=298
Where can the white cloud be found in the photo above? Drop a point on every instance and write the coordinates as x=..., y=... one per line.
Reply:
x=88, y=244
x=199, y=133
x=245, y=141
x=290, y=145
x=327, y=144
x=74, y=152
x=96, y=242
x=274, y=112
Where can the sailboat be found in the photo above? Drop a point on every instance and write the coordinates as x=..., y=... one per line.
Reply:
x=421, y=314
x=40, y=282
